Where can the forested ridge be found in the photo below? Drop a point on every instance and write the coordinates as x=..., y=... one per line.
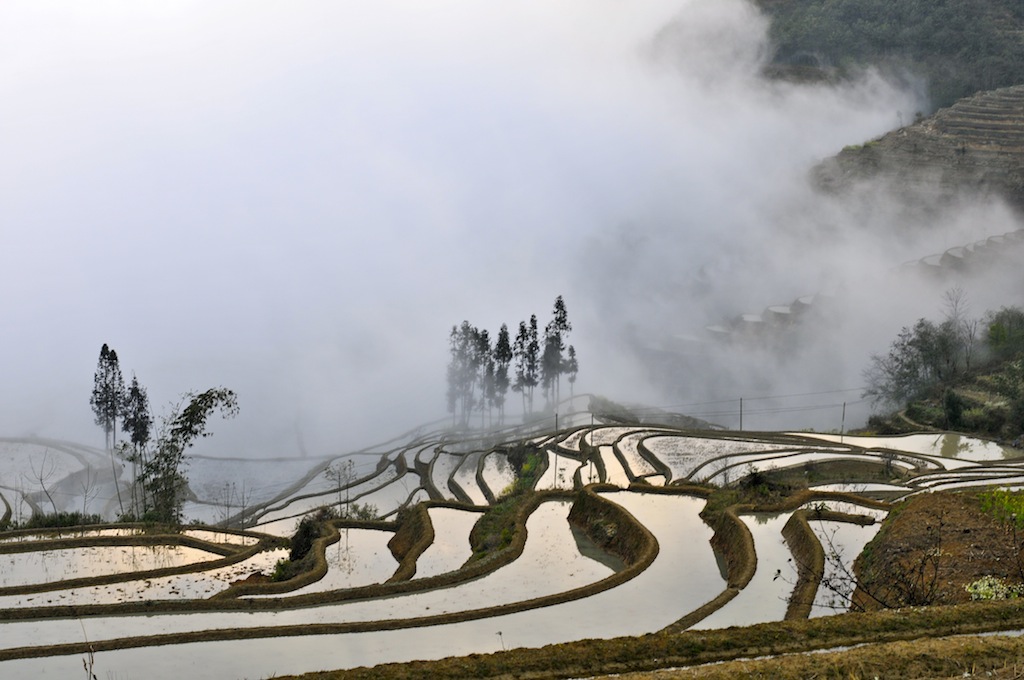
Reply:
x=958, y=48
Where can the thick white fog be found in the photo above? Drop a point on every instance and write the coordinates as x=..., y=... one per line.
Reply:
x=299, y=202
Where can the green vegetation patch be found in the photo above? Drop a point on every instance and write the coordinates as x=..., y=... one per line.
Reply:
x=960, y=48
x=497, y=527
x=1005, y=505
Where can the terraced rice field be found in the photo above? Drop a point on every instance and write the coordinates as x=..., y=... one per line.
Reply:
x=644, y=562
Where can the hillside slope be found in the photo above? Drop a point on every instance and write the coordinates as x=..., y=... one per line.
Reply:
x=976, y=145
x=956, y=48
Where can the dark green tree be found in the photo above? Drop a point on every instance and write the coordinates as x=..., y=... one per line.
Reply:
x=107, y=401
x=1010, y=383
x=927, y=356
x=918, y=359
x=502, y=360
x=108, y=394
x=163, y=469
x=483, y=370
x=1005, y=332
x=532, y=359
x=550, y=364
x=552, y=360
x=137, y=424
x=572, y=369
x=488, y=388
x=519, y=353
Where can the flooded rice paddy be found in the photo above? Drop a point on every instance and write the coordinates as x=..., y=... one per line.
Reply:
x=562, y=586
x=49, y=566
x=766, y=597
x=450, y=548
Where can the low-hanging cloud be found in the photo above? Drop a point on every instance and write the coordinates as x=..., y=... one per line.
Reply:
x=298, y=205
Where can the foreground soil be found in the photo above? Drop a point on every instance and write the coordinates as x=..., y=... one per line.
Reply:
x=932, y=546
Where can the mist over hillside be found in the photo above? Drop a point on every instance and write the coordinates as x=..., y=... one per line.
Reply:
x=299, y=206
x=956, y=49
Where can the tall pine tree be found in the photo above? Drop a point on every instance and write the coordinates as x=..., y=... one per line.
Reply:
x=108, y=403
x=558, y=330
x=108, y=394
x=572, y=368
x=532, y=372
x=519, y=352
x=138, y=425
x=502, y=359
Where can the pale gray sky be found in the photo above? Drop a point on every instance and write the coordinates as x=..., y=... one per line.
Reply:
x=298, y=200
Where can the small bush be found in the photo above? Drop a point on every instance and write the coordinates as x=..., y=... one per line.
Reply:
x=925, y=413
x=1006, y=506
x=989, y=418
x=58, y=520
x=302, y=541
x=993, y=588
x=280, y=570
x=309, y=529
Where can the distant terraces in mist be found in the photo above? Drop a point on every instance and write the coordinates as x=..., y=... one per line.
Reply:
x=973, y=257
x=976, y=145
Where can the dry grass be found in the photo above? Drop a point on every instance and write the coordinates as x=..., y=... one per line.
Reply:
x=957, y=657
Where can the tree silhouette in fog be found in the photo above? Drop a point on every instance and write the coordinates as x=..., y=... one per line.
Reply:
x=108, y=394
x=478, y=371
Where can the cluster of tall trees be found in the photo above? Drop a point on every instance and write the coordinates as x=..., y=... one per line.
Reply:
x=925, y=356
x=933, y=357
x=482, y=371
x=158, y=464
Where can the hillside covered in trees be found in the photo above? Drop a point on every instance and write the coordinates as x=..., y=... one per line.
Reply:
x=958, y=48
x=961, y=373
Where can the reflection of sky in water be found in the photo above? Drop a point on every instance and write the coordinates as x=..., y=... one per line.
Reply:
x=550, y=550
x=614, y=472
x=560, y=472
x=355, y=493
x=842, y=543
x=683, y=455
x=465, y=477
x=847, y=507
x=19, y=569
x=497, y=473
x=641, y=605
x=855, y=487
x=627, y=446
x=450, y=548
x=443, y=466
x=76, y=533
x=360, y=558
x=765, y=597
x=946, y=445
x=193, y=585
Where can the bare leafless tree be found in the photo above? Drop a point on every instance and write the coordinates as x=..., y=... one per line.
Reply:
x=909, y=583
x=342, y=474
x=43, y=474
x=87, y=485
